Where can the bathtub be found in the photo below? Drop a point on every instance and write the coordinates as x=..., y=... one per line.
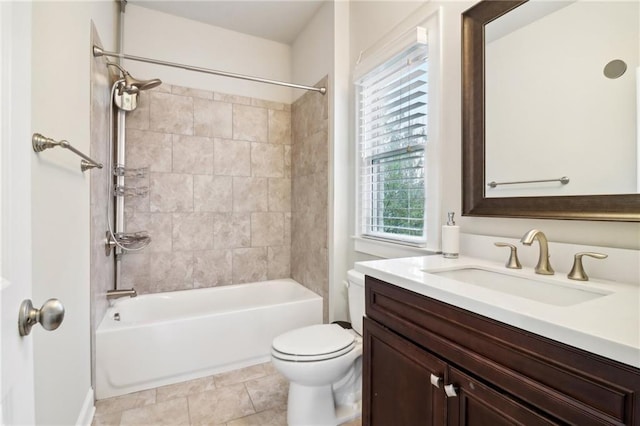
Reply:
x=166, y=338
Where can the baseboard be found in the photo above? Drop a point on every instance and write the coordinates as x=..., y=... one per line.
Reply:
x=88, y=409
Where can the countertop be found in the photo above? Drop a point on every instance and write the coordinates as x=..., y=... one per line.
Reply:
x=608, y=325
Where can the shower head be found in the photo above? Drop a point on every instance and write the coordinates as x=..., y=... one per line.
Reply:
x=133, y=85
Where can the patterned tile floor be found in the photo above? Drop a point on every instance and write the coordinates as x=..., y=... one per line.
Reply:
x=252, y=396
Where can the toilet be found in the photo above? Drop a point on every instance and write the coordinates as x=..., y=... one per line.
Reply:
x=323, y=364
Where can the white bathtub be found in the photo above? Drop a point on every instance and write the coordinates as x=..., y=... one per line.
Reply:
x=167, y=338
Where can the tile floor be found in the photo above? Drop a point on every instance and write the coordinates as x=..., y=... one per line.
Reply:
x=252, y=396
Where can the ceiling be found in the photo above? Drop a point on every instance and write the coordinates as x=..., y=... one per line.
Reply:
x=279, y=21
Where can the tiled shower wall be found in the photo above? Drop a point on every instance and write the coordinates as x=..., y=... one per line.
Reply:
x=310, y=185
x=219, y=203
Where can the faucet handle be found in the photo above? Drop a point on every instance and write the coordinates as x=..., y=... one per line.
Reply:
x=513, y=262
x=577, y=271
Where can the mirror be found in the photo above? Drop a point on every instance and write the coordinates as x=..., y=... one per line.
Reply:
x=512, y=134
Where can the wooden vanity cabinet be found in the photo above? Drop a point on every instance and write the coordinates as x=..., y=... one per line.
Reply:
x=497, y=374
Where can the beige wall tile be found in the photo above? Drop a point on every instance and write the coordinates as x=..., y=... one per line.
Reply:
x=148, y=149
x=167, y=413
x=139, y=117
x=287, y=161
x=194, y=93
x=309, y=194
x=269, y=104
x=171, y=192
x=163, y=88
x=280, y=127
x=171, y=114
x=136, y=267
x=279, y=195
x=249, y=265
x=160, y=229
x=171, y=271
x=212, y=268
x=192, y=154
x=279, y=262
x=231, y=230
x=234, y=99
x=212, y=119
x=232, y=158
x=267, y=160
x=287, y=229
x=158, y=225
x=200, y=167
x=139, y=203
x=213, y=193
x=250, y=194
x=267, y=229
x=192, y=231
x=250, y=123
x=220, y=405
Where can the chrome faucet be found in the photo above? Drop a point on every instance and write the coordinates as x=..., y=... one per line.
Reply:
x=115, y=294
x=543, y=267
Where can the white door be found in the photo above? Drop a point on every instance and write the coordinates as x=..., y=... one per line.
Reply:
x=16, y=356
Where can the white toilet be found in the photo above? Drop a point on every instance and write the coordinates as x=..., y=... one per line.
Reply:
x=323, y=364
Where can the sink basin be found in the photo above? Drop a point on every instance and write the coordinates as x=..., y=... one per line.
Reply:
x=549, y=292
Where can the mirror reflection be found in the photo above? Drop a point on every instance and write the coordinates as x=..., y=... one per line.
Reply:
x=562, y=93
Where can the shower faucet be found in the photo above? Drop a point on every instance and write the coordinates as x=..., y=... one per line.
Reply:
x=115, y=294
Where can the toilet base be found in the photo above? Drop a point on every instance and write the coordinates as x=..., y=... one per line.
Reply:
x=310, y=406
x=315, y=406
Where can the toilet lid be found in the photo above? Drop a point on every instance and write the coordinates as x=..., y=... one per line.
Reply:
x=313, y=340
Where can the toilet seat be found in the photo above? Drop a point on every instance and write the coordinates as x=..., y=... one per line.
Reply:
x=313, y=343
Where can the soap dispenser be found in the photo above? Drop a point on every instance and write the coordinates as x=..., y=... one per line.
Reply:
x=450, y=238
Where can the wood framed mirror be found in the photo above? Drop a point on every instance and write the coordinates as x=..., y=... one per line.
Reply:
x=475, y=202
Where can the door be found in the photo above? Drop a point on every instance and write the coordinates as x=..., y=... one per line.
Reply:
x=399, y=380
x=470, y=402
x=16, y=356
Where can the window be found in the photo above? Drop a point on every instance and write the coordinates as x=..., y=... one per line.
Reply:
x=392, y=114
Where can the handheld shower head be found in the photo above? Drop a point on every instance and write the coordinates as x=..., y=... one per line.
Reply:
x=133, y=85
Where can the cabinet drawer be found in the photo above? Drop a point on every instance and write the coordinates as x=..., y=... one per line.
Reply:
x=570, y=384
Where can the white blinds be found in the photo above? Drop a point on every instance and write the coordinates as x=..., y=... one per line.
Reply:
x=392, y=114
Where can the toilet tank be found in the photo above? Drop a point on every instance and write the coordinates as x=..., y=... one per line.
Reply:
x=355, y=294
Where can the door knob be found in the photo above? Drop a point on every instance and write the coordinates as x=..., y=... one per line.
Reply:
x=50, y=316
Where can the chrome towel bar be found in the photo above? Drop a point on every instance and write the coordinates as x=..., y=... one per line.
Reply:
x=40, y=143
x=563, y=180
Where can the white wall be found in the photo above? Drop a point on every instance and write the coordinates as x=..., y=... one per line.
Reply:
x=372, y=20
x=160, y=36
x=61, y=58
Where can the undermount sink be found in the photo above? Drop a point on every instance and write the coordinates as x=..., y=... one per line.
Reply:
x=539, y=290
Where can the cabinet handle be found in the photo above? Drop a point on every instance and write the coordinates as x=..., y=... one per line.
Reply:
x=435, y=380
x=450, y=390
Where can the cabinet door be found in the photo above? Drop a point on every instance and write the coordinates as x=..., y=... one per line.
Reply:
x=397, y=386
x=476, y=404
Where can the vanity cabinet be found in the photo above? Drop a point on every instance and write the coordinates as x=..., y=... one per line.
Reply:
x=417, y=348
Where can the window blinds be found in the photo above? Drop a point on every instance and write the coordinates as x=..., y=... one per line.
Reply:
x=392, y=114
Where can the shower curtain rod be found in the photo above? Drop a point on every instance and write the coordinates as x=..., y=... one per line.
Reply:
x=97, y=51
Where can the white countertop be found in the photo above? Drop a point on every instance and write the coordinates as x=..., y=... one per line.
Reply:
x=608, y=325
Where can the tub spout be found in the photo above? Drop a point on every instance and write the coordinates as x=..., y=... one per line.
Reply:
x=115, y=294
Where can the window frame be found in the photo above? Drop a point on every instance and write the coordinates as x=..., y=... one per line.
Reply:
x=430, y=242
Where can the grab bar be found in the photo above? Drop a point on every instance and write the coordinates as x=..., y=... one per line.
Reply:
x=563, y=180
x=40, y=143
